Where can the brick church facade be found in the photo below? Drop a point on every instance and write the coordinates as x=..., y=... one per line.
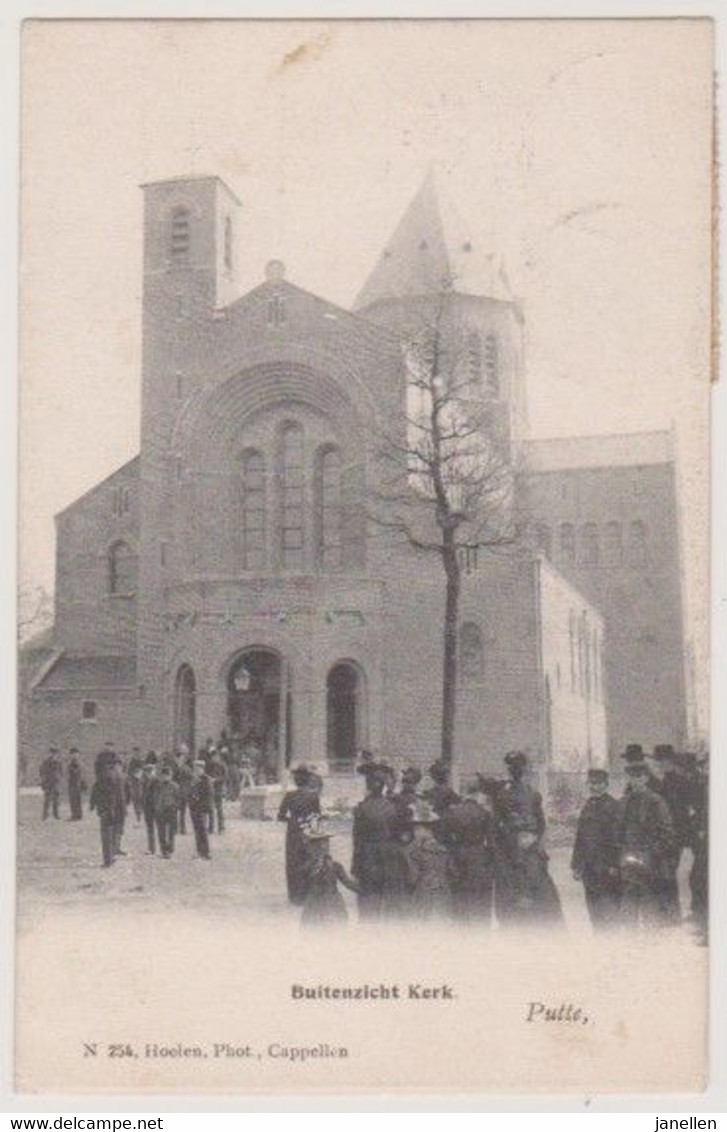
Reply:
x=229, y=575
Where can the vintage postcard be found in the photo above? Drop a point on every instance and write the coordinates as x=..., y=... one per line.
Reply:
x=364, y=546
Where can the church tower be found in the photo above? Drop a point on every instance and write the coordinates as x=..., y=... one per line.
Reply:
x=189, y=277
x=433, y=262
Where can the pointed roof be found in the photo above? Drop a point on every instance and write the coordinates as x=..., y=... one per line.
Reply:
x=431, y=248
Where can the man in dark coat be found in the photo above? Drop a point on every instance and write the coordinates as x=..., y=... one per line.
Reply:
x=149, y=786
x=166, y=808
x=297, y=808
x=665, y=781
x=376, y=823
x=699, y=873
x=524, y=888
x=116, y=771
x=51, y=773
x=646, y=842
x=466, y=830
x=200, y=801
x=217, y=770
x=76, y=786
x=596, y=851
x=106, y=798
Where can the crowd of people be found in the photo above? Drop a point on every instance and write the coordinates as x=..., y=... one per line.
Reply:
x=162, y=790
x=421, y=848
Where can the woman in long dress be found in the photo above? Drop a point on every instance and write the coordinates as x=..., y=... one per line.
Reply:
x=296, y=808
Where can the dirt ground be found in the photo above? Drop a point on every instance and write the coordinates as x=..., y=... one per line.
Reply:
x=59, y=866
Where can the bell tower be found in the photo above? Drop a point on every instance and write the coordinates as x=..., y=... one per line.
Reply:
x=189, y=275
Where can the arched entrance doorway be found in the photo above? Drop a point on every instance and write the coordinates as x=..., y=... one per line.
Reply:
x=344, y=699
x=258, y=710
x=185, y=707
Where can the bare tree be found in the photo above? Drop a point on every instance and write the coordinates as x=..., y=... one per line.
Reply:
x=445, y=477
x=35, y=611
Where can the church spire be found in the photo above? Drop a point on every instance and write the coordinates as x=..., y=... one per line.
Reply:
x=431, y=250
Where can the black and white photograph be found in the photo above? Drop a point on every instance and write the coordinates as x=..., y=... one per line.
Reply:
x=363, y=614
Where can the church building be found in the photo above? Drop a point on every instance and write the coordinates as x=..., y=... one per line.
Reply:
x=230, y=576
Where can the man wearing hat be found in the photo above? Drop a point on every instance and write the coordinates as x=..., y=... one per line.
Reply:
x=466, y=830
x=149, y=786
x=107, y=799
x=523, y=885
x=51, y=772
x=375, y=825
x=200, y=803
x=666, y=779
x=646, y=841
x=166, y=808
x=596, y=851
x=76, y=786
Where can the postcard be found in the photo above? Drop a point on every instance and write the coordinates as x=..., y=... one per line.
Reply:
x=364, y=544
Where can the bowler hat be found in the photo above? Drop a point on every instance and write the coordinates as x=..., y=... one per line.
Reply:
x=516, y=758
x=663, y=752
x=634, y=753
x=300, y=775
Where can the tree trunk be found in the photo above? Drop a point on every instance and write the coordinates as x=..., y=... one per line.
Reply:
x=449, y=668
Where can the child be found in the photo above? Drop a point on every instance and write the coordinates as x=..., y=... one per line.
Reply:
x=323, y=905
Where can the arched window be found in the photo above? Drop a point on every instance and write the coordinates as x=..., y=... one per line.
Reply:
x=185, y=703
x=584, y=656
x=474, y=358
x=228, y=243
x=492, y=365
x=122, y=564
x=637, y=543
x=292, y=497
x=179, y=236
x=612, y=544
x=329, y=506
x=253, y=510
x=572, y=645
x=596, y=667
x=567, y=543
x=471, y=651
x=590, y=550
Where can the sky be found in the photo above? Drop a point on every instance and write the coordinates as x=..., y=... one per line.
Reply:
x=580, y=150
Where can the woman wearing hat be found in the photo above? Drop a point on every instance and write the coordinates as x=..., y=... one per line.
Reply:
x=524, y=888
x=375, y=826
x=466, y=829
x=298, y=806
